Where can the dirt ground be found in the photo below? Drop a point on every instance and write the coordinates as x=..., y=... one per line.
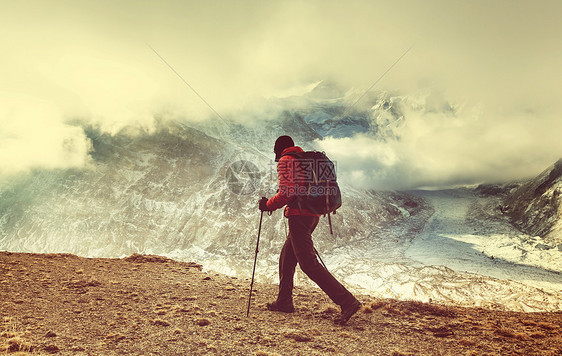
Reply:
x=144, y=305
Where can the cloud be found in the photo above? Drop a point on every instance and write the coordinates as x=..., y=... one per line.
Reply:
x=32, y=135
x=90, y=60
x=429, y=148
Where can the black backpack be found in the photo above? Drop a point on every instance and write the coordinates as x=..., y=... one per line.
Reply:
x=320, y=193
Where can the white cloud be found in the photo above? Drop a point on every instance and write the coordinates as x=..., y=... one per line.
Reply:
x=90, y=60
x=445, y=149
x=32, y=135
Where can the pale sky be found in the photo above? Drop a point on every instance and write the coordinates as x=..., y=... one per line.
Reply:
x=89, y=59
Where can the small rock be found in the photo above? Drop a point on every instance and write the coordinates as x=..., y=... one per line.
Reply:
x=330, y=309
x=161, y=322
x=50, y=334
x=203, y=322
x=543, y=247
x=118, y=337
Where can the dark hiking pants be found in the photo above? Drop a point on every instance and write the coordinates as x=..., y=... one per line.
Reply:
x=298, y=248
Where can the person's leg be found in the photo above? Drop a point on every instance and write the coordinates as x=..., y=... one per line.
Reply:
x=287, y=265
x=301, y=228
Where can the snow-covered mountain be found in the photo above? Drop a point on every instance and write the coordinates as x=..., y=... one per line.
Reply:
x=174, y=191
x=331, y=111
x=536, y=206
x=189, y=191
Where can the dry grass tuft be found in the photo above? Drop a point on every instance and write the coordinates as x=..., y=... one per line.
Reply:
x=528, y=322
x=116, y=337
x=546, y=326
x=538, y=335
x=393, y=309
x=13, y=341
x=16, y=344
x=8, y=334
x=138, y=258
x=51, y=348
x=83, y=283
x=265, y=353
x=426, y=308
x=440, y=331
x=377, y=304
x=315, y=332
x=366, y=309
x=505, y=333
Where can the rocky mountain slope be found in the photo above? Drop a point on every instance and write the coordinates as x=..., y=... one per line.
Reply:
x=68, y=305
x=536, y=206
x=174, y=191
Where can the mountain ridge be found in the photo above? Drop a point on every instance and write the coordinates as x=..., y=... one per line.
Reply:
x=536, y=206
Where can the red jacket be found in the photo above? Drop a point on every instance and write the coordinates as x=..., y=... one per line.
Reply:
x=288, y=184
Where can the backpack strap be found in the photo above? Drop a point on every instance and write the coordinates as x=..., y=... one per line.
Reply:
x=296, y=201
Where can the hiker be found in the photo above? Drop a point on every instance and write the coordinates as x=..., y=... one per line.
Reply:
x=298, y=247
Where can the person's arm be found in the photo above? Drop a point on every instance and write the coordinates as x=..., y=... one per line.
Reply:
x=285, y=171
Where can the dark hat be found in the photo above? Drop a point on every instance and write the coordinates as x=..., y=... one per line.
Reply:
x=281, y=144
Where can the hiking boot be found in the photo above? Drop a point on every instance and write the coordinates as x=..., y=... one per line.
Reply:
x=347, y=312
x=275, y=306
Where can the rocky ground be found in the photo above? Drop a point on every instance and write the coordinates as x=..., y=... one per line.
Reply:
x=60, y=303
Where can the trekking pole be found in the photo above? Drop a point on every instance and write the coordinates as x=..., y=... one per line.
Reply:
x=254, y=271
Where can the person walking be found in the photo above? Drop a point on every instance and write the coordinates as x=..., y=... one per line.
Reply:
x=298, y=247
